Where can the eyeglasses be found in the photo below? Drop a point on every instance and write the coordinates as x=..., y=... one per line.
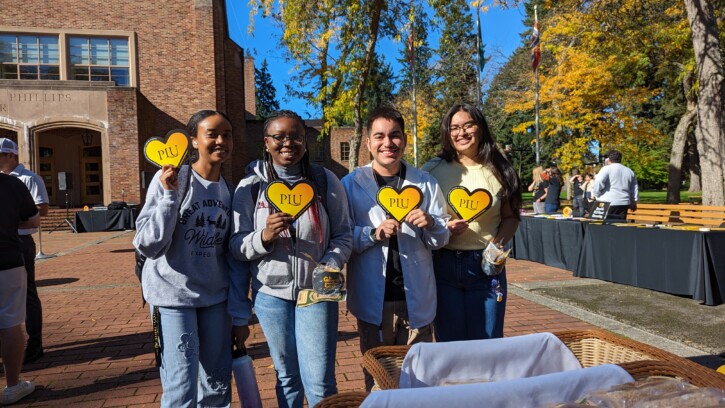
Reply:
x=280, y=139
x=466, y=128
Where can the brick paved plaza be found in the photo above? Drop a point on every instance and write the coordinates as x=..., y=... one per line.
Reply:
x=97, y=337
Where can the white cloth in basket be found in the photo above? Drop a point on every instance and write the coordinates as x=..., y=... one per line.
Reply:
x=532, y=392
x=462, y=362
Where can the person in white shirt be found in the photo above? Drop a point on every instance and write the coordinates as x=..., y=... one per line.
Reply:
x=616, y=184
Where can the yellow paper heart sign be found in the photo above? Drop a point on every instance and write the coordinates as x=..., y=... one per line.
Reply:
x=399, y=203
x=292, y=200
x=170, y=150
x=469, y=204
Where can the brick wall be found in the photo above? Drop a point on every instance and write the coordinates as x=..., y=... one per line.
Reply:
x=345, y=134
x=173, y=49
x=123, y=145
x=236, y=108
x=250, y=98
x=184, y=60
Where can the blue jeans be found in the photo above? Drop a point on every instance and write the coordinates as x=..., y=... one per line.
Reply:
x=551, y=208
x=579, y=208
x=196, y=356
x=467, y=304
x=302, y=342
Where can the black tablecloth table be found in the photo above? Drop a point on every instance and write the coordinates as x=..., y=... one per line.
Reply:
x=105, y=220
x=679, y=262
x=555, y=243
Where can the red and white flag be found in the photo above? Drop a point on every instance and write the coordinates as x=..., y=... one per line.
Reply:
x=535, y=45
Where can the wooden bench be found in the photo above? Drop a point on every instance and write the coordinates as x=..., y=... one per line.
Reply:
x=705, y=215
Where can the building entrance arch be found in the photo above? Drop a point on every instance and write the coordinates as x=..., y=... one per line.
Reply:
x=70, y=158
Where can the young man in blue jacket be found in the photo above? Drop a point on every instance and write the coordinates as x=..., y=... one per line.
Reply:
x=391, y=285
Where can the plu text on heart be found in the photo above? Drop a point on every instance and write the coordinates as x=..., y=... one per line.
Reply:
x=469, y=204
x=170, y=150
x=290, y=199
x=399, y=203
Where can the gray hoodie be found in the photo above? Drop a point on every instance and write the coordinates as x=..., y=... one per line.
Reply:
x=188, y=264
x=286, y=266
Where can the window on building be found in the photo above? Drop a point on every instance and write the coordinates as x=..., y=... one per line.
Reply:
x=317, y=153
x=344, y=151
x=29, y=56
x=99, y=59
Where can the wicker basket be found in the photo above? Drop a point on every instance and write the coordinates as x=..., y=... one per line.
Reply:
x=695, y=375
x=343, y=400
x=591, y=348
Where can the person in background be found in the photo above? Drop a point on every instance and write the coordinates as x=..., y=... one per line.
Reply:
x=18, y=211
x=587, y=187
x=472, y=293
x=9, y=164
x=616, y=184
x=391, y=284
x=553, y=191
x=283, y=253
x=538, y=187
x=577, y=194
x=185, y=277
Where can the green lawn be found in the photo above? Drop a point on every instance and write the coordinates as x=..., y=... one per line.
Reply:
x=649, y=197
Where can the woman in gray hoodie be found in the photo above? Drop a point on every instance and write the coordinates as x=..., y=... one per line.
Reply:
x=283, y=252
x=186, y=274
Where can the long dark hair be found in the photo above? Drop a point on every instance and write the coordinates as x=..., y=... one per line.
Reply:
x=488, y=154
x=193, y=126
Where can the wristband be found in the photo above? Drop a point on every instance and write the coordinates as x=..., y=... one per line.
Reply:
x=373, y=236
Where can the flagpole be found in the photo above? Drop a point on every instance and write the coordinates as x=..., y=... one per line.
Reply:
x=536, y=74
x=412, y=70
x=478, y=52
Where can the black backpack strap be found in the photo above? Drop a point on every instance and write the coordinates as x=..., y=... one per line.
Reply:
x=319, y=180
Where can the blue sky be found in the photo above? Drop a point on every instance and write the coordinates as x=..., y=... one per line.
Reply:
x=501, y=35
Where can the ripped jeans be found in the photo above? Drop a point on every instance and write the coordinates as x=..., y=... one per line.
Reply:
x=196, y=358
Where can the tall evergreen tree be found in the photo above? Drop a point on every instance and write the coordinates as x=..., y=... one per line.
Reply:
x=457, y=68
x=266, y=93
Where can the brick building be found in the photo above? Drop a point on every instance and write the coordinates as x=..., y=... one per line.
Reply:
x=83, y=85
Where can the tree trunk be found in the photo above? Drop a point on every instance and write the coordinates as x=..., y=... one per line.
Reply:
x=679, y=142
x=695, y=185
x=362, y=84
x=710, y=130
x=693, y=158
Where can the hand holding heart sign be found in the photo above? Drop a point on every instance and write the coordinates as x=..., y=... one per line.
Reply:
x=400, y=203
x=170, y=150
x=290, y=199
x=469, y=204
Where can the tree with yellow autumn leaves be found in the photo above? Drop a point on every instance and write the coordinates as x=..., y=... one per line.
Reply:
x=642, y=76
x=619, y=74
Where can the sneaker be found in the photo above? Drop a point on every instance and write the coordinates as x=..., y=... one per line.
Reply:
x=17, y=392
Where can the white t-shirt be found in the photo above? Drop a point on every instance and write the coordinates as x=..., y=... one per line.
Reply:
x=36, y=186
